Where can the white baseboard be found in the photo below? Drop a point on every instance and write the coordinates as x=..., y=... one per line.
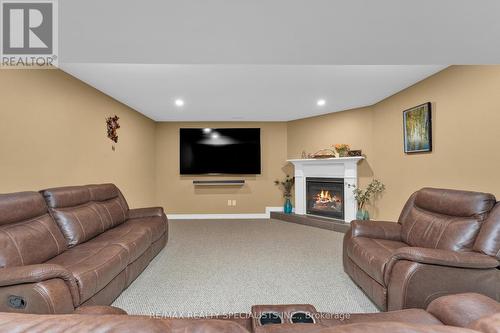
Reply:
x=265, y=215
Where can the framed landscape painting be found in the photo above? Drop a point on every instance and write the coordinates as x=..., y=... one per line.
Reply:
x=417, y=125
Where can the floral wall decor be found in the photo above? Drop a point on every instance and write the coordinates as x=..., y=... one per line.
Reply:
x=113, y=125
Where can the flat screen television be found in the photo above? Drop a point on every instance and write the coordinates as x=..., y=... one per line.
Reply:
x=220, y=151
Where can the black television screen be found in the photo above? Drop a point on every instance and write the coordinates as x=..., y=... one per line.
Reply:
x=220, y=150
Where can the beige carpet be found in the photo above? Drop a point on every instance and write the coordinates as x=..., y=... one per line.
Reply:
x=225, y=266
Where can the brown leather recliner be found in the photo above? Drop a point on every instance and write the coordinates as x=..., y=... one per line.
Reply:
x=445, y=242
x=73, y=246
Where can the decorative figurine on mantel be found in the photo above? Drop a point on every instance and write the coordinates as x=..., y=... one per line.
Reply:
x=336, y=150
x=323, y=153
x=362, y=197
x=286, y=186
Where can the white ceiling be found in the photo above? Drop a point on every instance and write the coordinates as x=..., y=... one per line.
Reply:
x=246, y=92
x=298, y=32
x=267, y=59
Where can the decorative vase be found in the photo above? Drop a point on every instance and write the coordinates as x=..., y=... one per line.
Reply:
x=287, y=207
x=362, y=214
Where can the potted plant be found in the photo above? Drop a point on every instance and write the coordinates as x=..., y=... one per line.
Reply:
x=362, y=197
x=342, y=149
x=286, y=186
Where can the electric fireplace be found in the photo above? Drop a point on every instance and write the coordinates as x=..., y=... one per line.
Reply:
x=325, y=197
x=345, y=168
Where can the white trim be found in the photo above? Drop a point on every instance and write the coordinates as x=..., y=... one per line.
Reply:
x=265, y=215
x=322, y=161
x=273, y=209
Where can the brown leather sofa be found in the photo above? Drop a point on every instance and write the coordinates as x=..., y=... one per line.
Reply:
x=445, y=242
x=67, y=247
x=457, y=313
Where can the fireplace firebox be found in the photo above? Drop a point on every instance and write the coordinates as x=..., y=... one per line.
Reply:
x=325, y=197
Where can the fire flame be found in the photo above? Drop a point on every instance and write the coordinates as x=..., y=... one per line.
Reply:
x=326, y=200
x=325, y=196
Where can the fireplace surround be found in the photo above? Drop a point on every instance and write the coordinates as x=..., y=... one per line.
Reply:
x=345, y=168
x=325, y=197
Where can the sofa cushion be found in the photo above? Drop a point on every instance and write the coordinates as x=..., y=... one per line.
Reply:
x=455, y=203
x=79, y=224
x=21, y=206
x=372, y=255
x=98, y=261
x=134, y=239
x=157, y=226
x=94, y=265
x=28, y=235
x=413, y=316
x=444, y=219
x=462, y=309
x=82, y=212
x=435, y=231
x=488, y=240
x=487, y=324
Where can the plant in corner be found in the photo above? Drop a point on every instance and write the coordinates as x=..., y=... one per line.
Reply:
x=362, y=197
x=286, y=186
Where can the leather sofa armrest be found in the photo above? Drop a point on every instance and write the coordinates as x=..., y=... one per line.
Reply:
x=444, y=258
x=16, y=275
x=145, y=212
x=195, y=325
x=376, y=229
x=394, y=327
x=462, y=309
x=99, y=310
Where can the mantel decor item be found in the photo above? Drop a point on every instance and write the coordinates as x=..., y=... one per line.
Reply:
x=112, y=125
x=342, y=149
x=337, y=150
x=355, y=153
x=417, y=127
x=286, y=186
x=323, y=153
x=362, y=197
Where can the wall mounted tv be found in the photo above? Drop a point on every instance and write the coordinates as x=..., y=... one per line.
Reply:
x=219, y=151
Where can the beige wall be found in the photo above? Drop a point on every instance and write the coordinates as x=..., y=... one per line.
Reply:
x=178, y=195
x=53, y=133
x=353, y=127
x=466, y=136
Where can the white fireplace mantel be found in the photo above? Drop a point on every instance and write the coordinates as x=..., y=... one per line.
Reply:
x=342, y=167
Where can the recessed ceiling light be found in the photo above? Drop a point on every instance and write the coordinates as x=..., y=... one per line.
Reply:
x=214, y=135
x=179, y=102
x=207, y=130
x=320, y=102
